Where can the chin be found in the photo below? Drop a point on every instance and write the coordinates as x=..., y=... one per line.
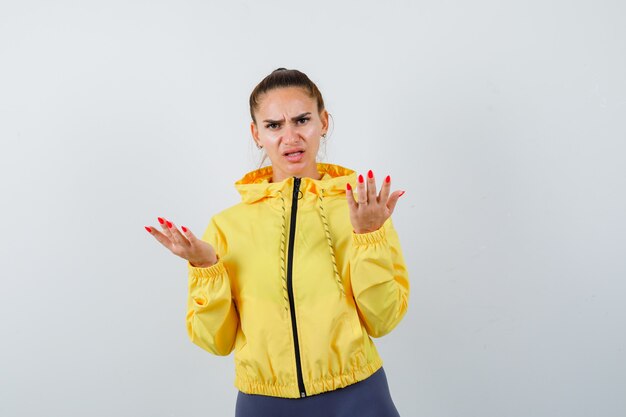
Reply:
x=297, y=170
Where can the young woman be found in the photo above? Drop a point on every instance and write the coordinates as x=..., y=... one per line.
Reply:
x=299, y=276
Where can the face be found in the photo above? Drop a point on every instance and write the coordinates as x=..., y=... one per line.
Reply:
x=288, y=122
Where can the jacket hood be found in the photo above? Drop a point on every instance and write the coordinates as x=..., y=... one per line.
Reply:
x=256, y=185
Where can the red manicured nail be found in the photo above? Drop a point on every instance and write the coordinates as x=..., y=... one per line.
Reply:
x=169, y=223
x=388, y=178
x=370, y=174
x=148, y=229
x=184, y=229
x=348, y=186
x=401, y=194
x=161, y=220
x=360, y=178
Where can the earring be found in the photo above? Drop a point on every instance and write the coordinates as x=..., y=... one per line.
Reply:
x=258, y=147
x=323, y=136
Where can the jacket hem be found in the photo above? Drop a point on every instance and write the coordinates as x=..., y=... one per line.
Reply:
x=313, y=388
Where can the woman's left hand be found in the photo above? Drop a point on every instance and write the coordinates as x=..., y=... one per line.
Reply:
x=370, y=211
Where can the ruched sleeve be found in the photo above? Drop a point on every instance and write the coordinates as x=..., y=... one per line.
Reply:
x=379, y=279
x=212, y=317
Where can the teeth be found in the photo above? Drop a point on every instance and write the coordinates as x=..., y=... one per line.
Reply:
x=294, y=153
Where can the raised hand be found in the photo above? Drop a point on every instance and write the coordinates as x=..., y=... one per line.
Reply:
x=370, y=211
x=186, y=245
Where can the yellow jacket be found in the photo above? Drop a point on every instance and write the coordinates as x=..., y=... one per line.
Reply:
x=295, y=292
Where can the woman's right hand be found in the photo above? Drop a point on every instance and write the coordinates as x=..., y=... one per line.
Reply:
x=186, y=245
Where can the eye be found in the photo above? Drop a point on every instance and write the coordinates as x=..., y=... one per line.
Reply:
x=304, y=118
x=269, y=125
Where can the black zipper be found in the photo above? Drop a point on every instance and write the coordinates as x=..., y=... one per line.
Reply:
x=292, y=234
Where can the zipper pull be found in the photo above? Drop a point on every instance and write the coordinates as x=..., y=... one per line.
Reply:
x=296, y=187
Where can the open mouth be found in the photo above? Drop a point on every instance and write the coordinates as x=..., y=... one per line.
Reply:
x=294, y=156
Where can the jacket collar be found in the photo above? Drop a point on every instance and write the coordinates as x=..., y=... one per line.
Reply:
x=256, y=185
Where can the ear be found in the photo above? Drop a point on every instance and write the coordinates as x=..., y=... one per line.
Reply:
x=255, y=132
x=324, y=119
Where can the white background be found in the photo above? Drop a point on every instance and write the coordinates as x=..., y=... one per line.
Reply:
x=504, y=122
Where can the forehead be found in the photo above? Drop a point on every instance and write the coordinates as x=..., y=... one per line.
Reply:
x=286, y=100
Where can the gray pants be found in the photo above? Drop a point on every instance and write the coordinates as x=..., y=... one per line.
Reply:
x=367, y=398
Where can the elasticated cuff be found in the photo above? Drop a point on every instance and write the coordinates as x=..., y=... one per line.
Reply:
x=212, y=271
x=369, y=238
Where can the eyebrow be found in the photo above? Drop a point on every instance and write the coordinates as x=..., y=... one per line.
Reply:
x=293, y=118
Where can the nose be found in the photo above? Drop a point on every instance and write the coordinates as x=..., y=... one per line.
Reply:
x=291, y=134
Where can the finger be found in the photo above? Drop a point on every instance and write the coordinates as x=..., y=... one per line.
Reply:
x=385, y=189
x=177, y=236
x=350, y=196
x=361, y=195
x=189, y=235
x=194, y=243
x=393, y=200
x=164, y=240
x=169, y=231
x=371, y=187
x=166, y=226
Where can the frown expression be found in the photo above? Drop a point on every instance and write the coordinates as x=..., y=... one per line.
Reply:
x=288, y=121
